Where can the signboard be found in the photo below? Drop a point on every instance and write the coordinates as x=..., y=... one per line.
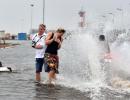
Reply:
x=2, y=33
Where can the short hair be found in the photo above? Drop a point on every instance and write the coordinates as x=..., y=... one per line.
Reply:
x=42, y=25
x=60, y=30
x=102, y=38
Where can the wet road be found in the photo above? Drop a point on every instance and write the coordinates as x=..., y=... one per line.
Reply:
x=20, y=84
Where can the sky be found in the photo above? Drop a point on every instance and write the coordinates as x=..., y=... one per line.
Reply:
x=15, y=15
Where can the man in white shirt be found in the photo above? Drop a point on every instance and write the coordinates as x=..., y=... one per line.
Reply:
x=38, y=42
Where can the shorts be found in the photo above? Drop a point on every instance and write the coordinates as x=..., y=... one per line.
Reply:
x=48, y=69
x=39, y=64
x=51, y=63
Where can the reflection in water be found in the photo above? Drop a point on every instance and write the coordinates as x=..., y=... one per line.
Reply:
x=44, y=92
x=57, y=93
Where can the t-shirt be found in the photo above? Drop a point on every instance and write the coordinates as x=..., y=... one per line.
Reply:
x=40, y=52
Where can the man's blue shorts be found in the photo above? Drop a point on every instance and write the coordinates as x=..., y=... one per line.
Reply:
x=39, y=64
x=46, y=67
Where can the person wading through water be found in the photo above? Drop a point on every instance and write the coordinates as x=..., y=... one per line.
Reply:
x=53, y=42
x=38, y=43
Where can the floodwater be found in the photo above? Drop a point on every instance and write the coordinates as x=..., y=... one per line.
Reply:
x=20, y=85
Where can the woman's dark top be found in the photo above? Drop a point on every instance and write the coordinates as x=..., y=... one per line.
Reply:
x=53, y=47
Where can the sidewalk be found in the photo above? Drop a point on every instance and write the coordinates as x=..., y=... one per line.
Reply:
x=7, y=45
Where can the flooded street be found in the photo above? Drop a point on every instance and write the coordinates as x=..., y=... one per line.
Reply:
x=91, y=38
x=20, y=84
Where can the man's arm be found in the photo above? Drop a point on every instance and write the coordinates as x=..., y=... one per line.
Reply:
x=38, y=46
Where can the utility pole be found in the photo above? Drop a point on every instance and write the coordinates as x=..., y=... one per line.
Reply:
x=43, y=11
x=113, y=17
x=32, y=5
x=122, y=16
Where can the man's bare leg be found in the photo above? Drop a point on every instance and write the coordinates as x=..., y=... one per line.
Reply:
x=38, y=77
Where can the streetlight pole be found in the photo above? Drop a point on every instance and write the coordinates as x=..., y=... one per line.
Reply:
x=43, y=11
x=22, y=22
x=113, y=17
x=121, y=10
x=102, y=24
x=32, y=5
x=104, y=17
